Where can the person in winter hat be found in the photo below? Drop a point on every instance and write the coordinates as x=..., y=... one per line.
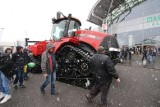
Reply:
x=103, y=71
x=48, y=66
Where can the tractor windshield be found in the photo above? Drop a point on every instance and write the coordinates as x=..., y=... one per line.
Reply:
x=59, y=28
x=110, y=42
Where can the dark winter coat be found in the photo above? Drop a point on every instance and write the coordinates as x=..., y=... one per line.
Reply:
x=6, y=65
x=103, y=69
x=144, y=52
x=153, y=53
x=19, y=59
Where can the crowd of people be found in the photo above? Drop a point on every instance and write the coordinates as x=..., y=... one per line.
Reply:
x=125, y=53
x=12, y=68
x=149, y=54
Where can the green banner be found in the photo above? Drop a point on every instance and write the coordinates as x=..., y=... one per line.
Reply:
x=154, y=20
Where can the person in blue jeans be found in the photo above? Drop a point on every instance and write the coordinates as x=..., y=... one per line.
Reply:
x=5, y=76
x=19, y=61
x=19, y=77
x=5, y=89
x=48, y=66
x=50, y=78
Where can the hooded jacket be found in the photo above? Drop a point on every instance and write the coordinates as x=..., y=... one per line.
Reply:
x=103, y=69
x=45, y=63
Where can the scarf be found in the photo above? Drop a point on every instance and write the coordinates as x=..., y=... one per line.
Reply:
x=50, y=62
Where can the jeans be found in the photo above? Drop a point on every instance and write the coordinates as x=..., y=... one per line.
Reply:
x=150, y=58
x=19, y=76
x=50, y=78
x=154, y=59
x=4, y=84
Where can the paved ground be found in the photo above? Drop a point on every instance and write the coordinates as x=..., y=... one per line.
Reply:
x=137, y=62
x=139, y=87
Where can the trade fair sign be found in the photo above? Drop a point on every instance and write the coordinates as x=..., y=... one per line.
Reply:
x=154, y=20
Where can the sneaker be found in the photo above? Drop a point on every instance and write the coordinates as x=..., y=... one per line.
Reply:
x=5, y=99
x=2, y=95
x=55, y=93
x=22, y=86
x=15, y=86
x=26, y=78
x=89, y=98
x=42, y=91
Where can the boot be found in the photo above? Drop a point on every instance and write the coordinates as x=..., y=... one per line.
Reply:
x=55, y=93
x=15, y=86
x=22, y=86
x=42, y=90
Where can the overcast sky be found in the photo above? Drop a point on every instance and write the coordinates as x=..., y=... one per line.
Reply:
x=32, y=18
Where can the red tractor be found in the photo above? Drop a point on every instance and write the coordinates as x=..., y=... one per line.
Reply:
x=74, y=48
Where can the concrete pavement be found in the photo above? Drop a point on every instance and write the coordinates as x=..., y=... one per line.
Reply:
x=139, y=87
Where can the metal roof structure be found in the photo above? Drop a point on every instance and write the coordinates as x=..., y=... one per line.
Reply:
x=106, y=11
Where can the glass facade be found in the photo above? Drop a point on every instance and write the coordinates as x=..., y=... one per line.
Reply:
x=122, y=8
x=139, y=28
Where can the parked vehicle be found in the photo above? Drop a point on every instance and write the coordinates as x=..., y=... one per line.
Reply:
x=74, y=47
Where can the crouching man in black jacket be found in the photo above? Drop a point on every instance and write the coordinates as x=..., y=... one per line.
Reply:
x=103, y=71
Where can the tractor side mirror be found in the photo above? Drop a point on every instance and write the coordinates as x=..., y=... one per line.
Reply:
x=72, y=33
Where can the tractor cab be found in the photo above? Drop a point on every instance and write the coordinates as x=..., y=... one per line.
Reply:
x=64, y=27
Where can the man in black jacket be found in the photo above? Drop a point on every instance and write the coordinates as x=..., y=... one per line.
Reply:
x=19, y=61
x=103, y=71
